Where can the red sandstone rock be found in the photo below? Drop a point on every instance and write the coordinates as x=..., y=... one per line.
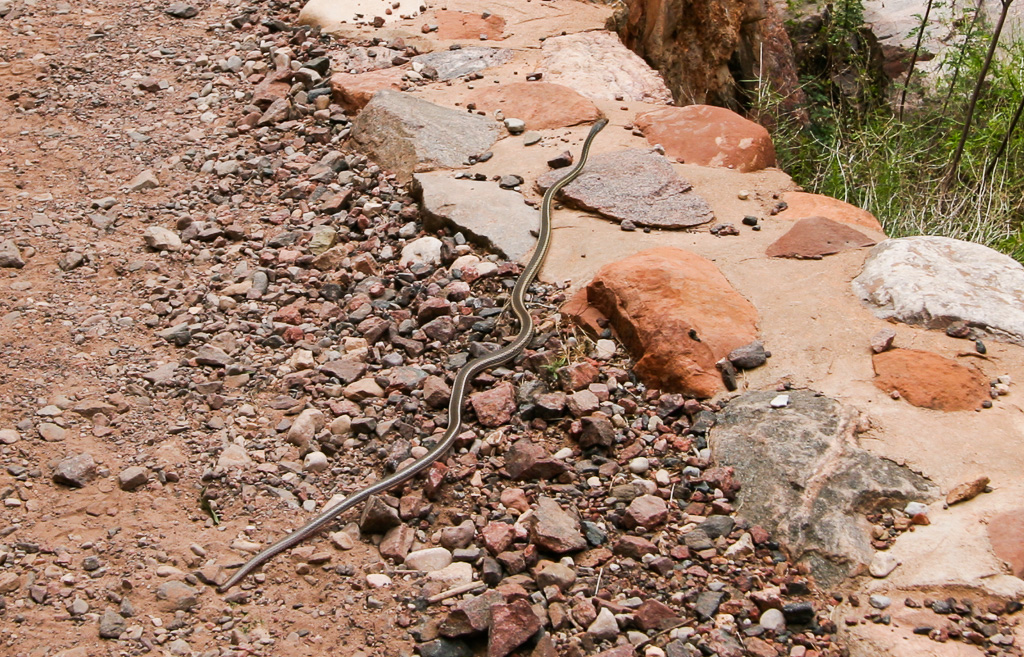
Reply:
x=677, y=315
x=511, y=626
x=709, y=136
x=353, y=91
x=803, y=205
x=930, y=380
x=541, y=105
x=461, y=25
x=1006, y=533
x=654, y=615
x=815, y=237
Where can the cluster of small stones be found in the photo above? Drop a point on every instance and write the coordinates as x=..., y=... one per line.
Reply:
x=991, y=628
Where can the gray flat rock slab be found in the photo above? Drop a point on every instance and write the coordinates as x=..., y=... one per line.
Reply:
x=456, y=63
x=637, y=185
x=805, y=479
x=936, y=281
x=494, y=217
x=405, y=134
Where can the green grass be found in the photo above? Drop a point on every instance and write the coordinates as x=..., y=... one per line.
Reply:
x=858, y=150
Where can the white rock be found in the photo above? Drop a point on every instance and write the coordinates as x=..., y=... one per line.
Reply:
x=882, y=564
x=773, y=620
x=378, y=580
x=9, y=436
x=315, y=462
x=425, y=250
x=429, y=559
x=342, y=540
x=914, y=508
x=305, y=427
x=639, y=465
x=455, y=574
x=741, y=548
x=781, y=401
x=159, y=238
x=604, y=349
x=934, y=281
x=233, y=456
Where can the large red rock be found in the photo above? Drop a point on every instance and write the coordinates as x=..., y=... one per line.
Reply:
x=803, y=205
x=815, y=237
x=511, y=626
x=461, y=25
x=1006, y=533
x=541, y=105
x=709, y=136
x=353, y=90
x=677, y=315
x=930, y=380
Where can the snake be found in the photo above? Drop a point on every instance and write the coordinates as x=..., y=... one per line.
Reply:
x=459, y=386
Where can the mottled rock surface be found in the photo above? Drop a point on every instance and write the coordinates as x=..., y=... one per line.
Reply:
x=634, y=185
x=407, y=134
x=806, y=480
x=541, y=105
x=936, y=281
x=598, y=66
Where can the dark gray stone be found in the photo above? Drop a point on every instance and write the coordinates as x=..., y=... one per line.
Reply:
x=716, y=526
x=635, y=185
x=404, y=134
x=455, y=63
x=707, y=604
x=495, y=218
x=748, y=356
x=181, y=10
x=444, y=648
x=112, y=625
x=807, y=482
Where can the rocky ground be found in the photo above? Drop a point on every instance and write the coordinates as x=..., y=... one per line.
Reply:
x=235, y=283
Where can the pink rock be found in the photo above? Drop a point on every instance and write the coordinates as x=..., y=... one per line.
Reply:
x=646, y=511
x=494, y=407
x=709, y=136
x=541, y=105
x=354, y=91
x=803, y=205
x=497, y=537
x=1006, y=533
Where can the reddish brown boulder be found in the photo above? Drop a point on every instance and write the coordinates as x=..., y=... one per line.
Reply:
x=803, y=205
x=528, y=460
x=1006, y=533
x=677, y=315
x=494, y=407
x=353, y=91
x=541, y=105
x=815, y=237
x=511, y=626
x=461, y=25
x=646, y=511
x=654, y=615
x=709, y=136
x=930, y=380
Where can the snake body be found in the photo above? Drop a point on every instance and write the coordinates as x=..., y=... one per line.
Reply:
x=462, y=379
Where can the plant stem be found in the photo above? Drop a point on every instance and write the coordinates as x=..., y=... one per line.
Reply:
x=1006, y=138
x=913, y=59
x=954, y=164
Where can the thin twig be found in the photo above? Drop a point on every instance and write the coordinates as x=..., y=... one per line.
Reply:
x=458, y=590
